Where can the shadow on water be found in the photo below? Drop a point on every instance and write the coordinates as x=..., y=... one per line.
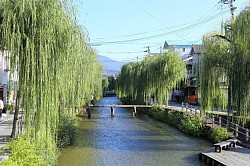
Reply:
x=124, y=140
x=136, y=141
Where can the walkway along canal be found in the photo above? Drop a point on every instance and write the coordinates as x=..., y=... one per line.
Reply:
x=127, y=140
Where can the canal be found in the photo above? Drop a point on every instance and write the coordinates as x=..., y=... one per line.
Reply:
x=126, y=141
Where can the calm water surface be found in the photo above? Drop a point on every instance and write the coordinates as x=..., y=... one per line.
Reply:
x=127, y=141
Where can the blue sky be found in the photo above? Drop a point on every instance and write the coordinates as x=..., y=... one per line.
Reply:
x=122, y=30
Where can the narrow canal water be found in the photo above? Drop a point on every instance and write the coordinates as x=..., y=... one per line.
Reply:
x=127, y=141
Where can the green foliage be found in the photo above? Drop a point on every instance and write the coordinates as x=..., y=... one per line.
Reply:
x=154, y=76
x=105, y=84
x=161, y=116
x=23, y=153
x=158, y=112
x=112, y=83
x=1, y=14
x=218, y=134
x=157, y=107
x=174, y=117
x=191, y=125
x=167, y=116
x=238, y=66
x=212, y=79
x=187, y=124
x=56, y=67
x=66, y=130
x=225, y=77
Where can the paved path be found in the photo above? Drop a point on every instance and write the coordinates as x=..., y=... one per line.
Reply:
x=5, y=128
x=5, y=132
x=188, y=108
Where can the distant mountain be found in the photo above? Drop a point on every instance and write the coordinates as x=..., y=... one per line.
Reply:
x=110, y=66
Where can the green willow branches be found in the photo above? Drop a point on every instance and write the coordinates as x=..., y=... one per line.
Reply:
x=239, y=66
x=213, y=80
x=154, y=76
x=226, y=68
x=57, y=70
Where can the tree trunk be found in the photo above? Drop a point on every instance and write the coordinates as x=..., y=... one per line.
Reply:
x=15, y=119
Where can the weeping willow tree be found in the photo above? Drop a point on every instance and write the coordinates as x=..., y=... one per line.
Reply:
x=154, y=76
x=56, y=68
x=226, y=64
x=213, y=80
x=239, y=67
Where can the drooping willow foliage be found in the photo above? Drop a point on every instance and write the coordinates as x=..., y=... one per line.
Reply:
x=56, y=68
x=239, y=66
x=213, y=81
x=154, y=76
x=227, y=64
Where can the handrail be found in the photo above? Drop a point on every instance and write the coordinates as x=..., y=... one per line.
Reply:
x=232, y=126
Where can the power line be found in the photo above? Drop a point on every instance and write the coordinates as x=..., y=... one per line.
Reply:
x=208, y=19
x=143, y=33
x=167, y=28
x=202, y=17
x=148, y=13
x=194, y=28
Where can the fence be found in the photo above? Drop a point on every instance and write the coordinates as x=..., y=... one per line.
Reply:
x=216, y=120
x=239, y=132
x=189, y=109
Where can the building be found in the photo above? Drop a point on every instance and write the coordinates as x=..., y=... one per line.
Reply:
x=196, y=52
x=191, y=55
x=4, y=75
x=193, y=63
x=8, y=82
x=182, y=50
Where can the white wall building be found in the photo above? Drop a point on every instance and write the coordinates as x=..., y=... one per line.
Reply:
x=7, y=82
x=196, y=52
x=180, y=49
x=4, y=75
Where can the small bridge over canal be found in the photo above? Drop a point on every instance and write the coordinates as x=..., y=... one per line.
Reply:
x=112, y=108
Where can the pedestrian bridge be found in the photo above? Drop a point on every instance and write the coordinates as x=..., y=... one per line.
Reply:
x=112, y=108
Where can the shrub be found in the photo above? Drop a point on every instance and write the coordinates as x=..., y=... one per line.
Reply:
x=218, y=134
x=173, y=118
x=192, y=125
x=66, y=130
x=158, y=113
x=23, y=153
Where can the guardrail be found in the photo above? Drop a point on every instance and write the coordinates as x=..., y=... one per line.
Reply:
x=239, y=132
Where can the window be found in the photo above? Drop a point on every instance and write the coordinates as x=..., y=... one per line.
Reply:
x=183, y=49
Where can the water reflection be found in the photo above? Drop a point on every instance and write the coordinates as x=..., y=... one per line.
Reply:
x=124, y=140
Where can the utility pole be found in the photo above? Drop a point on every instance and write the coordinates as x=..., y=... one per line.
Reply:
x=229, y=28
x=232, y=8
x=148, y=50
